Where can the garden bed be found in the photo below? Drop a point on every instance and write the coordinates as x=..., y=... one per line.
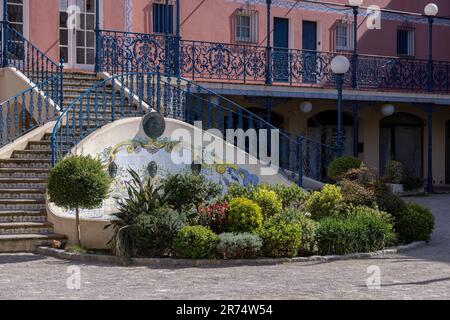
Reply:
x=189, y=263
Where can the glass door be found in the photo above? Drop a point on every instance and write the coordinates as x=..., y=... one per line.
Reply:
x=77, y=33
x=16, y=17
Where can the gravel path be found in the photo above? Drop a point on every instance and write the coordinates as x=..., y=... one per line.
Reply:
x=423, y=273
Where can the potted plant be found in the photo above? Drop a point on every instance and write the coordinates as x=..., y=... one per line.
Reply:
x=394, y=176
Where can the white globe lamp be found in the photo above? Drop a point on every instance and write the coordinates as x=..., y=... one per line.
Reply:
x=340, y=65
x=306, y=107
x=431, y=10
x=388, y=109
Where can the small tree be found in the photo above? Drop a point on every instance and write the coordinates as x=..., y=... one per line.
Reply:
x=78, y=182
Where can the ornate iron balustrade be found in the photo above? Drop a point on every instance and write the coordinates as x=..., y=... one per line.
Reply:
x=27, y=110
x=184, y=100
x=125, y=52
x=200, y=60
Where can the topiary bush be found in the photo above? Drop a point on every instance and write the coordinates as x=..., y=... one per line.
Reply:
x=394, y=171
x=239, y=246
x=244, y=215
x=416, y=223
x=363, y=231
x=308, y=226
x=291, y=196
x=388, y=201
x=78, y=182
x=329, y=202
x=340, y=166
x=196, y=242
x=186, y=191
x=357, y=194
x=268, y=201
x=281, y=238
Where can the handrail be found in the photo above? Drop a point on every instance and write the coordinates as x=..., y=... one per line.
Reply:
x=174, y=97
x=26, y=111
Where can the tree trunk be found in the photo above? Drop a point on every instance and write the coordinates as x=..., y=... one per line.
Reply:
x=78, y=229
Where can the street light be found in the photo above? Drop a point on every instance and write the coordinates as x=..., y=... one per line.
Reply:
x=355, y=3
x=306, y=107
x=340, y=66
x=431, y=10
x=388, y=109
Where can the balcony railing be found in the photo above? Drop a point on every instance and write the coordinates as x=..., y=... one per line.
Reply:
x=214, y=61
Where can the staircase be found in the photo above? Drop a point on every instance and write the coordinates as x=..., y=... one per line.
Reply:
x=23, y=183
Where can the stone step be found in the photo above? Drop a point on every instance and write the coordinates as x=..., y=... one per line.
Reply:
x=24, y=173
x=22, y=193
x=25, y=163
x=25, y=227
x=22, y=204
x=23, y=216
x=27, y=242
x=22, y=183
x=39, y=145
x=32, y=154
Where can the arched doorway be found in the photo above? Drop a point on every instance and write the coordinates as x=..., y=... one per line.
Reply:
x=447, y=152
x=401, y=139
x=323, y=128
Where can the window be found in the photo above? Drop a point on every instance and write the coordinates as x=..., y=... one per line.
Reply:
x=344, y=36
x=405, y=42
x=162, y=17
x=245, y=26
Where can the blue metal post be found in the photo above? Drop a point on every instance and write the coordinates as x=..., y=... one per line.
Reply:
x=268, y=46
x=355, y=48
x=61, y=85
x=5, y=27
x=340, y=85
x=177, y=39
x=97, y=36
x=355, y=129
x=430, y=188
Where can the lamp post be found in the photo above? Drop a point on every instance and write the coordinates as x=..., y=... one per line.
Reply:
x=431, y=10
x=268, y=46
x=355, y=4
x=97, y=36
x=340, y=66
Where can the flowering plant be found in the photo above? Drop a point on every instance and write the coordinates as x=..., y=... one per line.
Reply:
x=214, y=216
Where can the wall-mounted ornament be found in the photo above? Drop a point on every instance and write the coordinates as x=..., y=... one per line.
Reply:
x=154, y=125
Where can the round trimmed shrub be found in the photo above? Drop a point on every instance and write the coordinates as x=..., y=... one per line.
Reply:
x=308, y=226
x=356, y=194
x=281, y=238
x=268, y=201
x=365, y=230
x=416, y=223
x=78, y=182
x=196, y=242
x=327, y=203
x=244, y=215
x=239, y=246
x=341, y=165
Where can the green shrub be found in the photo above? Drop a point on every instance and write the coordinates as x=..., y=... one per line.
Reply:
x=329, y=202
x=388, y=201
x=363, y=176
x=363, y=231
x=291, y=196
x=341, y=165
x=156, y=233
x=244, y=215
x=185, y=191
x=280, y=238
x=357, y=194
x=416, y=223
x=308, y=226
x=214, y=216
x=268, y=201
x=394, y=172
x=411, y=183
x=78, y=182
x=239, y=191
x=196, y=242
x=239, y=246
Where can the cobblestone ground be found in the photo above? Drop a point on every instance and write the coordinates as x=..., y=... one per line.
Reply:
x=423, y=273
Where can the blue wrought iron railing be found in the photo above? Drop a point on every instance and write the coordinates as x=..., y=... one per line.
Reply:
x=183, y=100
x=200, y=60
x=27, y=110
x=32, y=62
